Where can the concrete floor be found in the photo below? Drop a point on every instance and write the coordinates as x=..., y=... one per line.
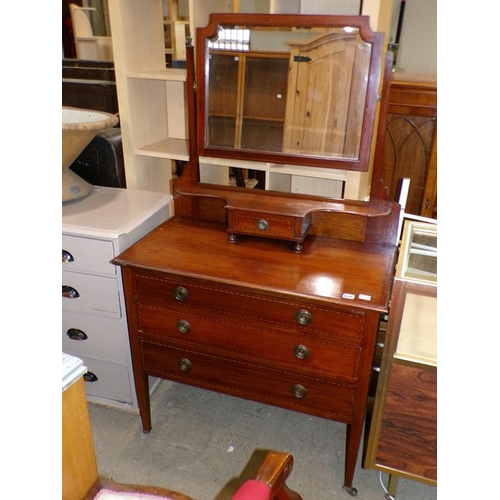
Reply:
x=204, y=444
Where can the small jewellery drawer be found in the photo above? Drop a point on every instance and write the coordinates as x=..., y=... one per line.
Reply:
x=251, y=339
x=90, y=294
x=299, y=317
x=112, y=380
x=297, y=392
x=268, y=225
x=87, y=255
x=102, y=337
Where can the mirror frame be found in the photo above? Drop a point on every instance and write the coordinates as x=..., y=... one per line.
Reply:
x=375, y=75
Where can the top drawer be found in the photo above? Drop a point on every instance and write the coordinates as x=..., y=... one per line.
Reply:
x=287, y=315
x=87, y=255
x=271, y=226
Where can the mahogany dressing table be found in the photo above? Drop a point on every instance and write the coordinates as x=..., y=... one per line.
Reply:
x=270, y=313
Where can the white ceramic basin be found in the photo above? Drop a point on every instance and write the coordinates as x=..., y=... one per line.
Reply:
x=79, y=127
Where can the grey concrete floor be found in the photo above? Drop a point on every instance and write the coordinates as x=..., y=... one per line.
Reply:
x=204, y=444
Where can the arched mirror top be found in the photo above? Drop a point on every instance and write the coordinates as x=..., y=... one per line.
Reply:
x=296, y=89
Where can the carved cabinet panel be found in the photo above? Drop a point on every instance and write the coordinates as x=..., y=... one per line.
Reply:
x=411, y=144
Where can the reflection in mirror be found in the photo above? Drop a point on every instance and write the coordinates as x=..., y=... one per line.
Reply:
x=419, y=250
x=87, y=24
x=291, y=90
x=278, y=92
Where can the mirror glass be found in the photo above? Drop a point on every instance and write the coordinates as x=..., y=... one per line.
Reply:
x=419, y=252
x=274, y=92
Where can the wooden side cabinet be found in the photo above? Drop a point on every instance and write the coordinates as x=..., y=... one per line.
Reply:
x=79, y=466
x=410, y=148
x=402, y=431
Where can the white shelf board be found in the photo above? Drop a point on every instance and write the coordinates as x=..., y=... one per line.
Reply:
x=304, y=171
x=228, y=162
x=174, y=149
x=167, y=74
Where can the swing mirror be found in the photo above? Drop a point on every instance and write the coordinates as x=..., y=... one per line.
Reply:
x=288, y=89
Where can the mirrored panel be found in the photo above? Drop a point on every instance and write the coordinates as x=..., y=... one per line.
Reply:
x=418, y=258
x=288, y=89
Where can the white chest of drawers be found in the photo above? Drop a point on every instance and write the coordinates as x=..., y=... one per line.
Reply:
x=94, y=324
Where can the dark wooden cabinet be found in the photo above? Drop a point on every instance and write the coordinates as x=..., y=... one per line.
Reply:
x=411, y=142
x=89, y=85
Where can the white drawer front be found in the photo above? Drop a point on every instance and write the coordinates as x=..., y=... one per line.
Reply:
x=113, y=380
x=103, y=337
x=87, y=255
x=96, y=294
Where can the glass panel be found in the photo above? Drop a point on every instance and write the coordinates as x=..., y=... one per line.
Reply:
x=418, y=257
x=291, y=90
x=264, y=102
x=418, y=334
x=223, y=89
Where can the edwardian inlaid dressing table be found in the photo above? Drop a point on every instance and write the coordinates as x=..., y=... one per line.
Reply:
x=262, y=294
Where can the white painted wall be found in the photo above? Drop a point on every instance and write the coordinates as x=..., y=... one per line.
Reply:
x=418, y=44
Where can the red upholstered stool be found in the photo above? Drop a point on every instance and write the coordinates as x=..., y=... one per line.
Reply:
x=253, y=490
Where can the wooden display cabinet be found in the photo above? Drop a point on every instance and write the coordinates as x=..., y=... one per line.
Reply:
x=402, y=434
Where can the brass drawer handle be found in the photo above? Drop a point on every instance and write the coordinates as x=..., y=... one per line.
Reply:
x=301, y=351
x=299, y=391
x=181, y=294
x=185, y=365
x=262, y=225
x=183, y=326
x=303, y=317
x=76, y=334
x=67, y=257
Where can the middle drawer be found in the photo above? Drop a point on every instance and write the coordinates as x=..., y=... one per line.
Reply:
x=249, y=338
x=104, y=338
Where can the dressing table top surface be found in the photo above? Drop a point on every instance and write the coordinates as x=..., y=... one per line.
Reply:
x=350, y=274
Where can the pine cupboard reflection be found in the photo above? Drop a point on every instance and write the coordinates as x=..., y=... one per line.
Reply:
x=277, y=89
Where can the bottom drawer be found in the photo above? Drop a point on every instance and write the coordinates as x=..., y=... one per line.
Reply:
x=297, y=392
x=113, y=380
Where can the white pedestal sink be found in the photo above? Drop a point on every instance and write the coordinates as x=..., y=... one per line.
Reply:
x=79, y=127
